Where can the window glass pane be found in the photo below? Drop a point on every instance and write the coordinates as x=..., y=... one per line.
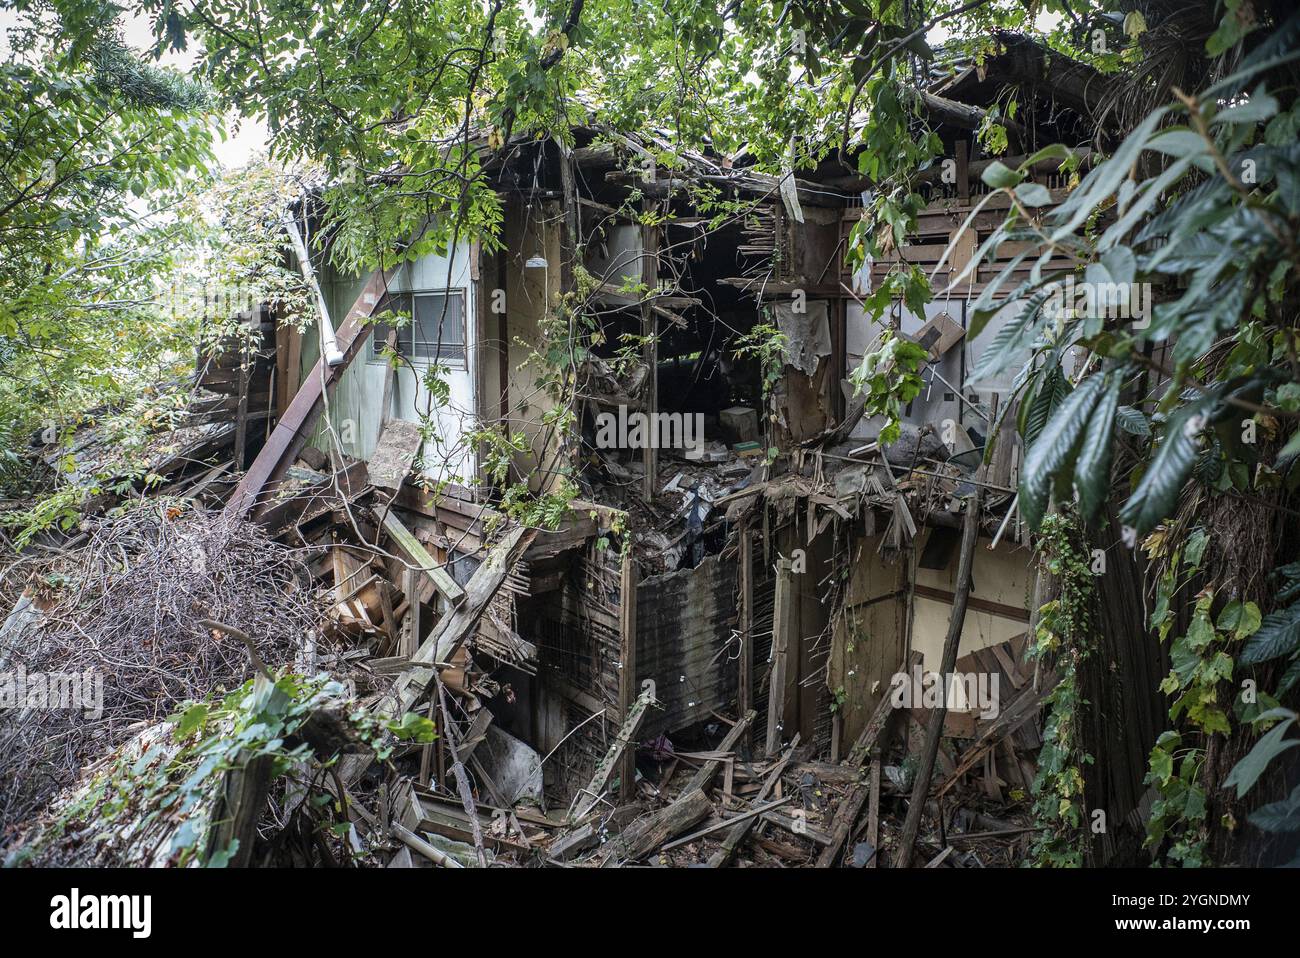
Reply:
x=436, y=332
x=438, y=329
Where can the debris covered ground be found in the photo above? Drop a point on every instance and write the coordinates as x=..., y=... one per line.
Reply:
x=171, y=603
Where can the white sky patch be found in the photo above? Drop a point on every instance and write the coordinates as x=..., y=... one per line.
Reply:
x=1045, y=22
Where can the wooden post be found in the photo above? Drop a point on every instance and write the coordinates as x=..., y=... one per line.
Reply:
x=745, y=696
x=410, y=631
x=627, y=679
x=239, y=806
x=780, y=648
x=921, y=787
x=247, y=359
x=650, y=352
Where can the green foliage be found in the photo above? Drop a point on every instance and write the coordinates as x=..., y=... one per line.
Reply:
x=1178, y=816
x=890, y=378
x=1062, y=638
x=1225, y=240
x=1280, y=816
x=157, y=797
x=1202, y=663
x=769, y=346
x=98, y=150
x=542, y=511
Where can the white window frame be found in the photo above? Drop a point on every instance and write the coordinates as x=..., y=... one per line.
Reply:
x=375, y=353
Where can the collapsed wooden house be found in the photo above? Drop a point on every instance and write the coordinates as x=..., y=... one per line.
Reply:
x=716, y=605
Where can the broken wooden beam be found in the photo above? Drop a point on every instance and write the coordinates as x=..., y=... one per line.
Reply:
x=744, y=818
x=649, y=833
x=624, y=742
x=456, y=626
x=780, y=650
x=238, y=809
x=930, y=749
x=703, y=778
x=627, y=687
x=295, y=426
x=722, y=857
x=420, y=846
x=842, y=824
x=1024, y=708
x=415, y=553
x=873, y=812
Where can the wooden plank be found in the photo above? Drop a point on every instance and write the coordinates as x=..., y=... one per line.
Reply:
x=418, y=555
x=624, y=742
x=780, y=647
x=703, y=778
x=647, y=834
x=842, y=824
x=745, y=695
x=1024, y=708
x=457, y=625
x=238, y=809
x=241, y=416
x=295, y=426
x=873, y=812
x=395, y=452
x=417, y=844
x=722, y=857
x=627, y=677
x=411, y=625
x=742, y=818
x=999, y=609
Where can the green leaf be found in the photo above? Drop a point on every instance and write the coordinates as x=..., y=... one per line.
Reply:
x=1241, y=618
x=1246, y=772
x=1000, y=176
x=1092, y=468
x=1283, y=816
x=1132, y=421
x=190, y=720
x=1157, y=493
x=1289, y=677
x=1053, y=450
x=1033, y=194
x=221, y=857
x=413, y=728
x=1104, y=179
x=1054, y=151
x=1035, y=413
x=1258, y=108
x=1013, y=336
x=1278, y=634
